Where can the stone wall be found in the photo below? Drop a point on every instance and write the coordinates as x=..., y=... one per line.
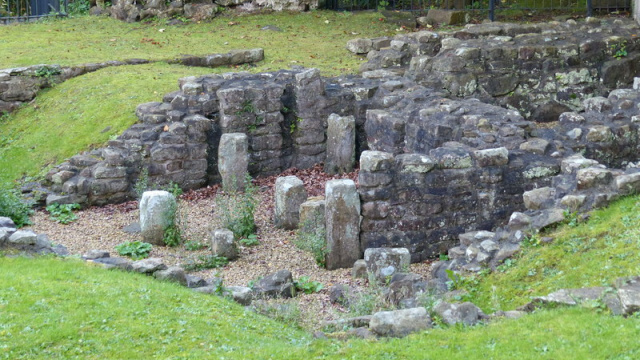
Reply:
x=431, y=167
x=541, y=70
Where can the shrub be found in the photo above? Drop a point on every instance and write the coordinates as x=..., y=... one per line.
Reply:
x=312, y=238
x=236, y=210
x=63, y=213
x=134, y=249
x=12, y=206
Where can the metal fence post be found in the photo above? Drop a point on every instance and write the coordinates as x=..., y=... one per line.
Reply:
x=589, y=8
x=492, y=9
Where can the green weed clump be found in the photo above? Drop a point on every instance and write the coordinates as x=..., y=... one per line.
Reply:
x=13, y=206
x=236, y=210
x=206, y=262
x=63, y=213
x=134, y=249
x=311, y=237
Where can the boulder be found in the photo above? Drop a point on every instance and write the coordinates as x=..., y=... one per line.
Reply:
x=539, y=198
x=277, y=285
x=399, y=323
x=359, y=270
x=172, y=274
x=23, y=237
x=96, y=254
x=360, y=46
x=466, y=313
x=383, y=263
x=445, y=17
x=148, y=266
x=6, y=222
x=241, y=294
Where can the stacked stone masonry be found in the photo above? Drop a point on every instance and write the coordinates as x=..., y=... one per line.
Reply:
x=431, y=167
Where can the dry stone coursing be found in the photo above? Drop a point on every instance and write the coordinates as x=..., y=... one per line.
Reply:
x=541, y=70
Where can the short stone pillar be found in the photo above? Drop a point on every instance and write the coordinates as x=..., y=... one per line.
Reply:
x=222, y=244
x=342, y=216
x=233, y=160
x=157, y=212
x=382, y=263
x=289, y=195
x=341, y=144
x=312, y=215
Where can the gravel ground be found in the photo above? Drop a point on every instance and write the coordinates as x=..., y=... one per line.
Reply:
x=102, y=228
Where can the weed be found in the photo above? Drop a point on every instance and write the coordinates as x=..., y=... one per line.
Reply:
x=194, y=245
x=307, y=286
x=206, y=262
x=368, y=301
x=251, y=240
x=312, y=238
x=246, y=108
x=284, y=311
x=142, y=183
x=619, y=50
x=531, y=241
x=134, y=249
x=63, y=213
x=443, y=257
x=13, y=207
x=47, y=71
x=236, y=210
x=571, y=218
x=506, y=265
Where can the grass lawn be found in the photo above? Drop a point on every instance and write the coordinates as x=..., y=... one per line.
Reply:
x=64, y=309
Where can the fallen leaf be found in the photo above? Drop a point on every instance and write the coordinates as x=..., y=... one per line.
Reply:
x=161, y=30
x=166, y=128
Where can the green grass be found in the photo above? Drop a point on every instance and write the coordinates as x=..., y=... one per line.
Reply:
x=64, y=309
x=312, y=39
x=85, y=112
x=81, y=113
x=594, y=253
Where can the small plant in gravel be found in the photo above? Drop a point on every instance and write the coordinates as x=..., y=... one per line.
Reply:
x=236, y=210
x=193, y=245
x=206, y=262
x=312, y=238
x=177, y=219
x=308, y=286
x=251, y=240
x=134, y=249
x=368, y=301
x=13, y=207
x=63, y=213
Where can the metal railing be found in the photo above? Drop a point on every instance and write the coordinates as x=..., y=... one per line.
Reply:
x=27, y=10
x=491, y=9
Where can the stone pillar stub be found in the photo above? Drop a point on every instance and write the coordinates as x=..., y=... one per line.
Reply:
x=341, y=144
x=342, y=214
x=157, y=212
x=233, y=160
x=289, y=195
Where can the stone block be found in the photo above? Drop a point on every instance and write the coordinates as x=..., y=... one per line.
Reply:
x=400, y=323
x=223, y=244
x=445, y=17
x=382, y=263
x=157, y=212
x=342, y=216
x=233, y=161
x=491, y=157
x=277, y=285
x=360, y=46
x=539, y=198
x=312, y=215
x=289, y=196
x=341, y=144
x=359, y=270
x=592, y=177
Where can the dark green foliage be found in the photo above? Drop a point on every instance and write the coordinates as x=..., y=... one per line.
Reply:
x=308, y=286
x=134, y=249
x=12, y=206
x=63, y=213
x=311, y=237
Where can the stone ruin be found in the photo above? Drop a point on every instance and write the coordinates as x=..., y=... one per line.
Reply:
x=440, y=172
